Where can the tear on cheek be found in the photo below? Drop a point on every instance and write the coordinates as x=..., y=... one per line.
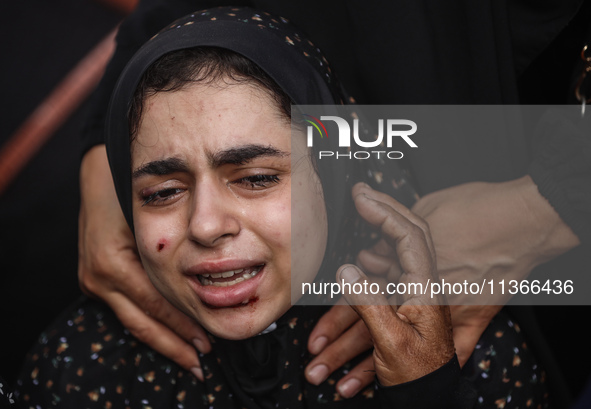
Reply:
x=161, y=244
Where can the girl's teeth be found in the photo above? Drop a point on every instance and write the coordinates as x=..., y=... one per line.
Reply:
x=225, y=274
x=203, y=278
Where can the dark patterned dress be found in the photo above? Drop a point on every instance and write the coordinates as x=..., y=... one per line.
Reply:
x=86, y=359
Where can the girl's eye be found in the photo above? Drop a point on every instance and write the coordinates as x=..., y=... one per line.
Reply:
x=159, y=197
x=258, y=181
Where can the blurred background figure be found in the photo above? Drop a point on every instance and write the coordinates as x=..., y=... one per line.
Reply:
x=43, y=44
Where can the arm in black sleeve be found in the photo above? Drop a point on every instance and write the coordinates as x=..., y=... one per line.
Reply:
x=561, y=167
x=149, y=17
x=439, y=389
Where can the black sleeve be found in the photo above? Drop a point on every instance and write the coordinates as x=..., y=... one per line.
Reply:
x=440, y=389
x=149, y=17
x=561, y=145
x=561, y=167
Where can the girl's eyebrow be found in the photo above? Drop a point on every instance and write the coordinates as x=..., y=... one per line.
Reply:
x=161, y=167
x=241, y=155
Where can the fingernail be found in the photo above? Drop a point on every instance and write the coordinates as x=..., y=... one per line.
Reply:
x=198, y=373
x=350, y=388
x=199, y=345
x=318, y=345
x=363, y=196
x=318, y=374
x=350, y=274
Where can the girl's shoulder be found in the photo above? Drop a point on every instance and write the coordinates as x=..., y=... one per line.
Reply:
x=87, y=359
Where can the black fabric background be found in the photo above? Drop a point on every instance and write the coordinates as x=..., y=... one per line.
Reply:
x=41, y=42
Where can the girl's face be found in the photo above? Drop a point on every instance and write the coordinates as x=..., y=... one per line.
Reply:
x=212, y=181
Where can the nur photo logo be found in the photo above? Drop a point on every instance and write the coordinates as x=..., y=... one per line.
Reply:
x=388, y=131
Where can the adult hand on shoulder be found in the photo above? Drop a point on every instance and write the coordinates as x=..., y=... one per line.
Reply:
x=415, y=338
x=483, y=231
x=109, y=269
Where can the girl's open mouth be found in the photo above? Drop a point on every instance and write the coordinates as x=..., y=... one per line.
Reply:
x=228, y=278
x=227, y=284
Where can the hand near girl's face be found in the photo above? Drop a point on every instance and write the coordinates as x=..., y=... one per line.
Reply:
x=211, y=207
x=414, y=338
x=410, y=340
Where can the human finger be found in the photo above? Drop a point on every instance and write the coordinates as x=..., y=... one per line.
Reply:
x=331, y=326
x=155, y=334
x=469, y=322
x=383, y=249
x=465, y=340
x=138, y=289
x=352, y=343
x=413, y=247
x=357, y=378
x=361, y=189
x=409, y=342
x=363, y=302
x=379, y=265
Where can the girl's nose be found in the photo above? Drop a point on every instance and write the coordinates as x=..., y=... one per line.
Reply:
x=213, y=216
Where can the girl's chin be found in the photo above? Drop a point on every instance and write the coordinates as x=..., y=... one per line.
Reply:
x=237, y=331
x=241, y=322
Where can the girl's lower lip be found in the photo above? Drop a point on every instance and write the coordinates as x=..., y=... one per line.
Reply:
x=230, y=296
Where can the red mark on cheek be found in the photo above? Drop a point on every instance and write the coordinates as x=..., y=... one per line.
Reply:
x=161, y=244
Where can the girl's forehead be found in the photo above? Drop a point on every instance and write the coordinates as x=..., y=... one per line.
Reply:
x=201, y=120
x=211, y=104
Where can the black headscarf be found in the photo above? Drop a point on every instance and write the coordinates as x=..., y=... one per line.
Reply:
x=288, y=57
x=292, y=61
x=268, y=368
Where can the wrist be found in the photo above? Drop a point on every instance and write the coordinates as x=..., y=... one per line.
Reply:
x=96, y=182
x=441, y=385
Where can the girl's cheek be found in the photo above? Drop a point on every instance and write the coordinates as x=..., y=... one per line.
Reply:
x=151, y=246
x=162, y=245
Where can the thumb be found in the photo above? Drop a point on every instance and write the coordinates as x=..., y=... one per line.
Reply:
x=357, y=289
x=368, y=301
